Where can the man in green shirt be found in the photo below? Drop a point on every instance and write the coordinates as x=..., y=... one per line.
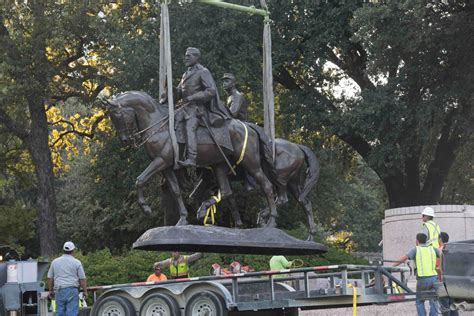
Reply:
x=279, y=263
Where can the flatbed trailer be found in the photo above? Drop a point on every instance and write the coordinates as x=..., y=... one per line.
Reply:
x=283, y=292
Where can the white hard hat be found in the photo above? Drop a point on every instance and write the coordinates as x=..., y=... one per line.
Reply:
x=428, y=211
x=69, y=246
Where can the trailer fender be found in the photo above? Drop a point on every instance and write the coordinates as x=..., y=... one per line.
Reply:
x=129, y=293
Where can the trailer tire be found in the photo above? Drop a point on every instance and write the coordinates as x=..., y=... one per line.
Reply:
x=114, y=305
x=159, y=304
x=206, y=303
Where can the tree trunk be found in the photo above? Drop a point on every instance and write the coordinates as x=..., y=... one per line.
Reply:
x=46, y=200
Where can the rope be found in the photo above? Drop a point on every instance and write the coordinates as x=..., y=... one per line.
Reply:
x=211, y=210
x=165, y=68
x=297, y=263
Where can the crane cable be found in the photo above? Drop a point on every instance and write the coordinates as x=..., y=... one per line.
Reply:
x=268, y=96
x=166, y=76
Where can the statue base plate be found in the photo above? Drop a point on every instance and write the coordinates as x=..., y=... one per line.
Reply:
x=192, y=238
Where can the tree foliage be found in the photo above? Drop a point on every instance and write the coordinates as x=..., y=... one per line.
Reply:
x=47, y=53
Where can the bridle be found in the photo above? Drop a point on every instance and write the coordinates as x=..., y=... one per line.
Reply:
x=131, y=130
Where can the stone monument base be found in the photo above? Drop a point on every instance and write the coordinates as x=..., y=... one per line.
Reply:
x=192, y=238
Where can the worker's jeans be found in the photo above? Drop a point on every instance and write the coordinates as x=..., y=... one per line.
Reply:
x=426, y=284
x=67, y=302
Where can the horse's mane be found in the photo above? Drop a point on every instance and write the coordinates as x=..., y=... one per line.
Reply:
x=143, y=98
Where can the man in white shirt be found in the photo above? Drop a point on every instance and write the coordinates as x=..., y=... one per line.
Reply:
x=65, y=276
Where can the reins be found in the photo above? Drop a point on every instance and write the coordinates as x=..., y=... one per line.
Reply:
x=164, y=121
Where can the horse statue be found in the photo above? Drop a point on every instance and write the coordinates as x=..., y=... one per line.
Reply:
x=141, y=120
x=296, y=170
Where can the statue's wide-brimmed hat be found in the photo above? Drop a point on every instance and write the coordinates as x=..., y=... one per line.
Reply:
x=228, y=75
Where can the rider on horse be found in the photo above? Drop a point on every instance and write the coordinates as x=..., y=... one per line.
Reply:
x=236, y=101
x=198, y=94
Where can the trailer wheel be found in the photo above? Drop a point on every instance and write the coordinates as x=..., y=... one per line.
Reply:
x=159, y=305
x=205, y=304
x=114, y=306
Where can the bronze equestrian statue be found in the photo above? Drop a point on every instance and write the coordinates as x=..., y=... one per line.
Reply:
x=139, y=119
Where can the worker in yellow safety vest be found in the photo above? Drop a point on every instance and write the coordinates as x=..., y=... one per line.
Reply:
x=426, y=276
x=430, y=227
x=179, y=264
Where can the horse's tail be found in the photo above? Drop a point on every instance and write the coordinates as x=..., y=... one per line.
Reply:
x=312, y=171
x=266, y=152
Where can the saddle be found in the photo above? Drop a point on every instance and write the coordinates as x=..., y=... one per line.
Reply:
x=221, y=134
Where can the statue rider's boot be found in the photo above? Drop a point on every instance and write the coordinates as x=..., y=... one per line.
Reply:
x=189, y=162
x=190, y=157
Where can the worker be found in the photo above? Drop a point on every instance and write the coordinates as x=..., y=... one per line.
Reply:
x=279, y=263
x=157, y=276
x=444, y=302
x=426, y=277
x=65, y=276
x=443, y=239
x=430, y=228
x=179, y=264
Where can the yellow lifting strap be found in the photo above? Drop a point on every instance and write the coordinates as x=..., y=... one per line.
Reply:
x=244, y=147
x=211, y=210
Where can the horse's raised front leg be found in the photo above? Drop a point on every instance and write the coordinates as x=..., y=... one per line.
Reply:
x=174, y=186
x=155, y=166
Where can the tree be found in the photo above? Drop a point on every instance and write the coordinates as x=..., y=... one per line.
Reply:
x=409, y=62
x=45, y=50
x=459, y=188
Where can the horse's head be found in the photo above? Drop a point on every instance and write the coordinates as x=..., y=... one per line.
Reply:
x=124, y=120
x=133, y=113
